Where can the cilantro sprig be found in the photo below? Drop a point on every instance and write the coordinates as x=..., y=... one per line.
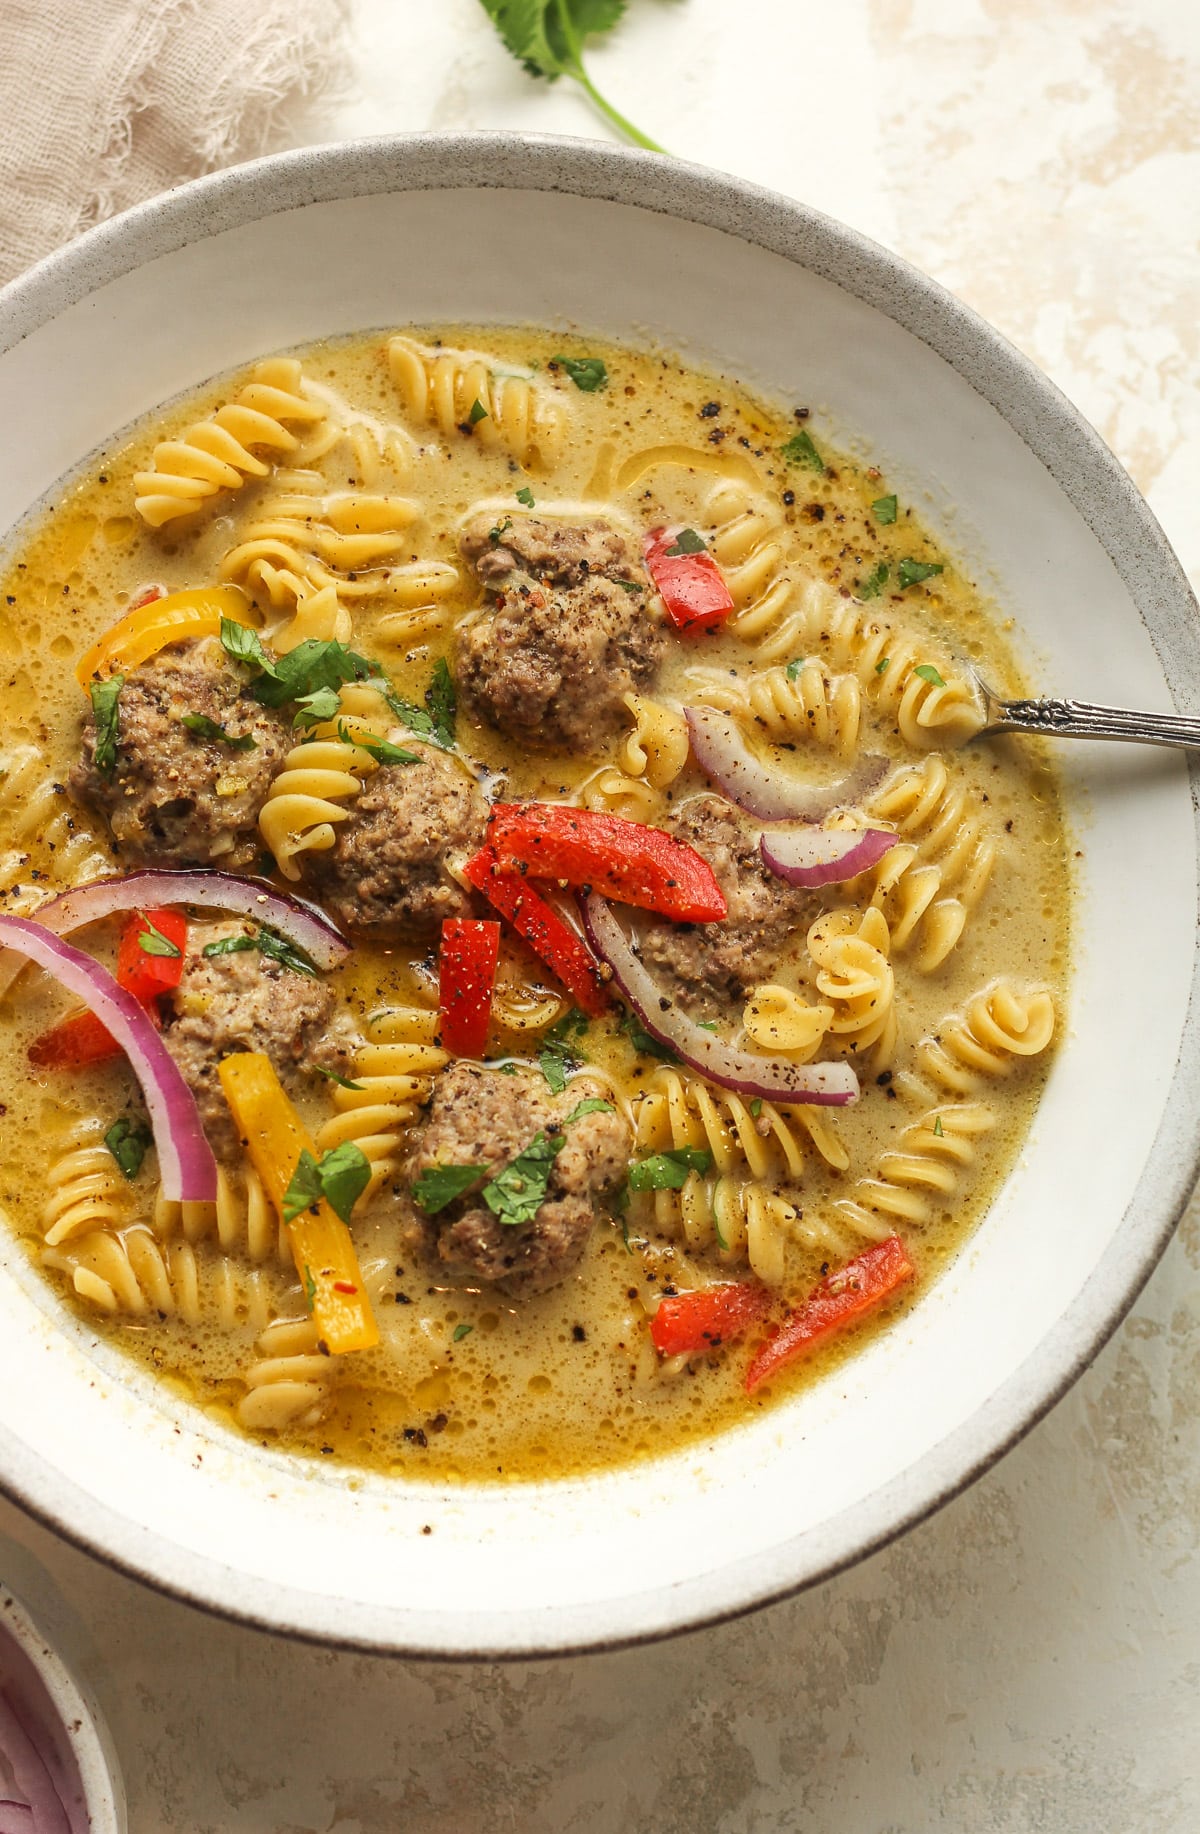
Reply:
x=129, y=1141
x=311, y=675
x=670, y=1170
x=275, y=948
x=340, y=1176
x=560, y=1052
x=202, y=727
x=106, y=696
x=548, y=37
x=587, y=373
x=151, y=940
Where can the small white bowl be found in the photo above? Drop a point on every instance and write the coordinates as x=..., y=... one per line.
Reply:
x=492, y=227
x=72, y=1725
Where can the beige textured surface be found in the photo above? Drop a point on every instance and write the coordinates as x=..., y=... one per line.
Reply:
x=1030, y=1659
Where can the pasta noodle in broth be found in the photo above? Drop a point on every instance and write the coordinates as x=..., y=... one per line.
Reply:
x=403, y=496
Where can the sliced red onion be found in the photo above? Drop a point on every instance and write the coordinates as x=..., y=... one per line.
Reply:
x=302, y=923
x=722, y=754
x=829, y=1085
x=16, y=1818
x=185, y=1162
x=823, y=856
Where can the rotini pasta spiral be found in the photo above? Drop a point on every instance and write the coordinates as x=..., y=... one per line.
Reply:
x=751, y=546
x=218, y=455
x=920, y=1176
x=319, y=781
x=777, y=1019
x=394, y=1069
x=133, y=1273
x=86, y=1190
x=243, y=1222
x=905, y=677
x=657, y=748
x=37, y=815
x=289, y=1382
x=1001, y=1023
x=850, y=951
x=928, y=885
x=613, y=793
x=745, y=1221
x=678, y=1109
x=451, y=389
x=791, y=703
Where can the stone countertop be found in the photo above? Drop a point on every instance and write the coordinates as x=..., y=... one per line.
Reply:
x=1029, y=1659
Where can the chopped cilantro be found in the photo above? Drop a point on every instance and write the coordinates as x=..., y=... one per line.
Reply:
x=801, y=450
x=937, y=1127
x=688, y=542
x=643, y=1041
x=128, y=1142
x=928, y=673
x=526, y=496
x=335, y=1076
x=382, y=750
x=499, y=530
x=794, y=667
x=461, y=1331
x=882, y=666
x=242, y=644
x=559, y=1052
x=151, y=940
x=276, y=948
x=204, y=728
x=310, y=1287
x=873, y=585
x=591, y=1105
x=884, y=509
x=629, y=585
x=105, y=698
x=317, y=708
x=912, y=572
x=669, y=1171
x=587, y=373
x=707, y=1025
x=442, y=702
x=756, y=1106
x=439, y=1185
x=478, y=413
x=515, y=1194
x=340, y=1176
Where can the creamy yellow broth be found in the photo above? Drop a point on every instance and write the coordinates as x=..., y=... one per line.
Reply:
x=466, y=1383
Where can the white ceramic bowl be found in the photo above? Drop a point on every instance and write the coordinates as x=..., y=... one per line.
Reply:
x=636, y=247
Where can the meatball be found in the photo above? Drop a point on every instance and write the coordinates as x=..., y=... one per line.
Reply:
x=175, y=797
x=566, y=633
x=483, y=1117
x=244, y=1001
x=726, y=959
x=386, y=872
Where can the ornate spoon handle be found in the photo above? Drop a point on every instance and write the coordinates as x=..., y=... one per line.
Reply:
x=1080, y=719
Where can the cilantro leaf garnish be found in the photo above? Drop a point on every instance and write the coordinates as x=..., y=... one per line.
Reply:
x=911, y=572
x=525, y=496
x=629, y=585
x=800, y=450
x=883, y=665
x=928, y=673
x=340, y=1176
x=500, y=529
x=276, y=948
x=382, y=750
x=937, y=1126
x=204, y=728
x=587, y=373
x=106, y=696
x=794, y=667
x=873, y=585
x=310, y=1287
x=461, y=1331
x=151, y=940
x=439, y=1185
x=335, y=1076
x=592, y=1104
x=515, y=1194
x=478, y=413
x=688, y=542
x=242, y=644
x=670, y=1170
x=884, y=509
x=644, y=1041
x=442, y=702
x=547, y=37
x=128, y=1142
x=559, y=1052
x=317, y=708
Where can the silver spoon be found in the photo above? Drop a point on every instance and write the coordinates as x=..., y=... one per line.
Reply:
x=1081, y=719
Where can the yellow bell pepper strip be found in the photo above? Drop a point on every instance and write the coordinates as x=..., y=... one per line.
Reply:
x=149, y=627
x=325, y=1259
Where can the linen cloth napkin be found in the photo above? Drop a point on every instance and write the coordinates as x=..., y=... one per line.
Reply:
x=105, y=102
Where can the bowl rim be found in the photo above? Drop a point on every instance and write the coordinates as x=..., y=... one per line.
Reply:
x=1107, y=500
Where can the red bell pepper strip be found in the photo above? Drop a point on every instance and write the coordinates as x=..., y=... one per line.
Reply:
x=706, y=1318
x=841, y=1299
x=689, y=581
x=466, y=977
x=552, y=940
x=82, y=1039
x=622, y=859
